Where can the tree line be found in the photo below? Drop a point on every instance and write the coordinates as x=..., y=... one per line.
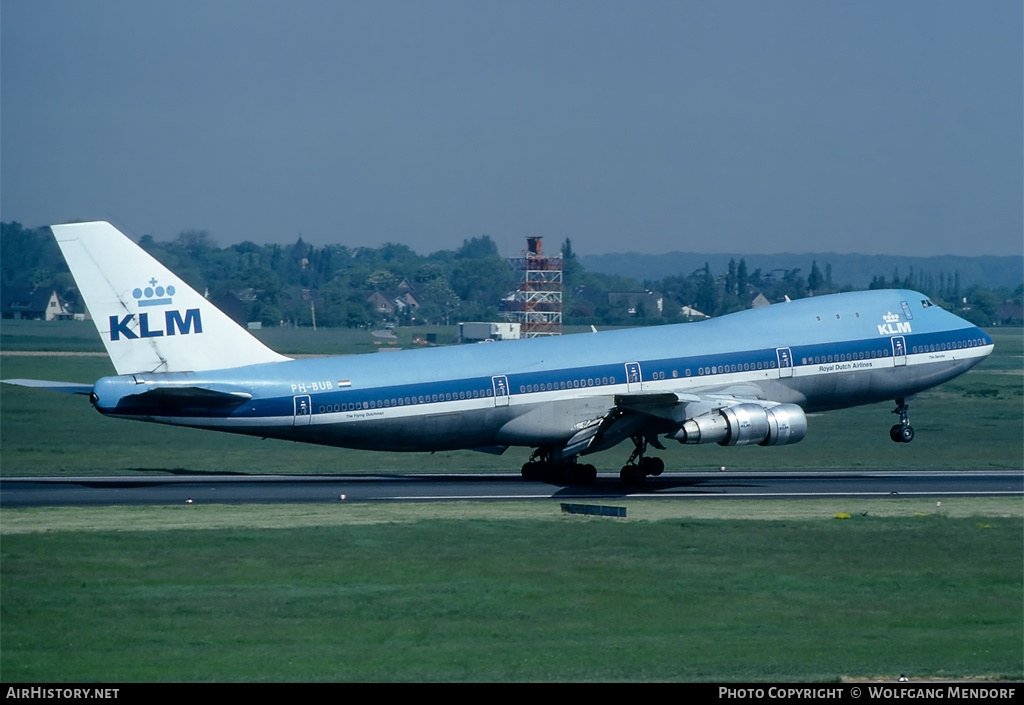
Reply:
x=299, y=283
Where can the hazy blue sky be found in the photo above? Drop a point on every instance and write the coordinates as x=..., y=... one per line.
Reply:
x=741, y=126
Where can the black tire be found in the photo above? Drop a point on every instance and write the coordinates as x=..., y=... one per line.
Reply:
x=632, y=475
x=533, y=472
x=653, y=466
x=907, y=434
x=895, y=433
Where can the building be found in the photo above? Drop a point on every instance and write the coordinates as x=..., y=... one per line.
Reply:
x=38, y=304
x=395, y=302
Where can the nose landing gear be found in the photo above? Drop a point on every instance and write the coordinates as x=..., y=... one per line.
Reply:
x=902, y=432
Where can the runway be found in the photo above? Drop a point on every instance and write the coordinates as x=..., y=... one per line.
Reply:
x=248, y=489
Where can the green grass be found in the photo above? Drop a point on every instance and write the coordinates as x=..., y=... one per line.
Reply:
x=81, y=336
x=544, y=597
x=55, y=336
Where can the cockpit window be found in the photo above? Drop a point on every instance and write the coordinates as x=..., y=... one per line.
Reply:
x=925, y=303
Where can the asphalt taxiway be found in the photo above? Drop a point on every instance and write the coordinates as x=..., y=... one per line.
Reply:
x=246, y=489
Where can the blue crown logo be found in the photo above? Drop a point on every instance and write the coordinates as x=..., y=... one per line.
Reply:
x=154, y=295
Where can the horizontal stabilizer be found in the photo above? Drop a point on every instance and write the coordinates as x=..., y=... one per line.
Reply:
x=66, y=387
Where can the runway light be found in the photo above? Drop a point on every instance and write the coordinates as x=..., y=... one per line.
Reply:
x=721, y=469
x=341, y=497
x=188, y=501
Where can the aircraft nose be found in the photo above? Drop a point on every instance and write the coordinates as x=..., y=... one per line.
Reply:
x=985, y=338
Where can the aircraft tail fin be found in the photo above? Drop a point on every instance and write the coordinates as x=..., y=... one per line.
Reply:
x=149, y=319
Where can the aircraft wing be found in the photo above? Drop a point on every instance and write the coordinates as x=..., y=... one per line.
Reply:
x=66, y=387
x=678, y=406
x=723, y=412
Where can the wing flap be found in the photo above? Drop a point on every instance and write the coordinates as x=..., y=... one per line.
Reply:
x=584, y=437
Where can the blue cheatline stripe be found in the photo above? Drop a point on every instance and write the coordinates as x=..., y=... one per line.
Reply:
x=351, y=398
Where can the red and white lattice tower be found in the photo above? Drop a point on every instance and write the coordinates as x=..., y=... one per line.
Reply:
x=537, y=302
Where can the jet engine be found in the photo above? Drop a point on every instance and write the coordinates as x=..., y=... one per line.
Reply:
x=745, y=424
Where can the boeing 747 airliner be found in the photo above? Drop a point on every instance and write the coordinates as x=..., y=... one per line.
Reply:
x=745, y=378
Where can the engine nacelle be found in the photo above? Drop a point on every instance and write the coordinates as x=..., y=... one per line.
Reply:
x=746, y=424
x=788, y=424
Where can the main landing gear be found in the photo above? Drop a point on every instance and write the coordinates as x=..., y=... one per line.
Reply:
x=902, y=432
x=542, y=469
x=638, y=467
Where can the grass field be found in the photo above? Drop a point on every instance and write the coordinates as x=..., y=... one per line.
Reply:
x=681, y=591
x=81, y=336
x=514, y=593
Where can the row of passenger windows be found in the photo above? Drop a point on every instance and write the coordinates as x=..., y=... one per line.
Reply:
x=958, y=345
x=574, y=384
x=845, y=357
x=589, y=382
x=739, y=367
x=407, y=401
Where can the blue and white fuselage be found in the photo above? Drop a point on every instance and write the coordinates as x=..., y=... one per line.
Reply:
x=748, y=377
x=822, y=353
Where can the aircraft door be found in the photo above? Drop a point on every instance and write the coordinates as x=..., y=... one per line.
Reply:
x=303, y=410
x=899, y=351
x=500, y=384
x=634, y=377
x=785, y=357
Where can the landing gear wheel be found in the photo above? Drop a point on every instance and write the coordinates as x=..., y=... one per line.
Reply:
x=653, y=466
x=533, y=472
x=901, y=434
x=586, y=474
x=632, y=475
x=638, y=467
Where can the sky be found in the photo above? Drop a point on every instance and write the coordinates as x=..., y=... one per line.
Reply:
x=746, y=126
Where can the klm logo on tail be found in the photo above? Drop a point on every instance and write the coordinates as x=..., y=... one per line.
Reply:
x=154, y=295
x=174, y=321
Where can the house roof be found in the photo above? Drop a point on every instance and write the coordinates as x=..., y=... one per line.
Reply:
x=25, y=299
